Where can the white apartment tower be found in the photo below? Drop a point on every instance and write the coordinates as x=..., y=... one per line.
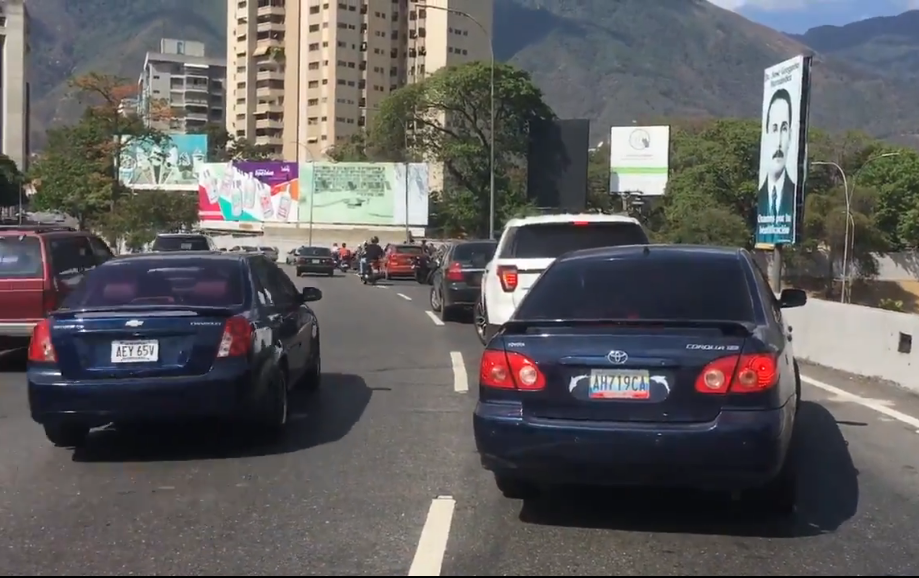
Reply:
x=305, y=75
x=14, y=86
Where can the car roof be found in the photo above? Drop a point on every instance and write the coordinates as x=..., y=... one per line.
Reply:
x=180, y=255
x=181, y=235
x=466, y=241
x=704, y=252
x=570, y=217
x=18, y=230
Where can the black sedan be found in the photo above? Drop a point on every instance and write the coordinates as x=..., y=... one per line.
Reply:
x=175, y=336
x=652, y=366
x=457, y=278
x=317, y=260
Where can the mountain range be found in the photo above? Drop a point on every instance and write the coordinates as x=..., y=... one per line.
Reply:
x=612, y=61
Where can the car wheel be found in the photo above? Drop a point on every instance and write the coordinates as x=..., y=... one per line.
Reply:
x=435, y=300
x=276, y=408
x=780, y=496
x=483, y=330
x=66, y=435
x=516, y=489
x=797, y=389
x=299, y=273
x=331, y=273
x=312, y=379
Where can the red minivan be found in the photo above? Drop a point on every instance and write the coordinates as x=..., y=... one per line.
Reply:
x=39, y=264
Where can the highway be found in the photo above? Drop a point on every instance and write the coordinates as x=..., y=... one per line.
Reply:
x=379, y=476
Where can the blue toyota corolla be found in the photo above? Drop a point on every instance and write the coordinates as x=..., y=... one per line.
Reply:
x=644, y=365
x=164, y=337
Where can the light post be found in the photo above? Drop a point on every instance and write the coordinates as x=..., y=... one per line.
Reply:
x=491, y=151
x=850, y=220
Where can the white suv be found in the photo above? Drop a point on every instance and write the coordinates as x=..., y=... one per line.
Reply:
x=529, y=245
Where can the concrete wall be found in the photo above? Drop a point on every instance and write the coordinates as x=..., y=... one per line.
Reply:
x=860, y=340
x=891, y=267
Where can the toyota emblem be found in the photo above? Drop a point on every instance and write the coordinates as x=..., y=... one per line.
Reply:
x=617, y=357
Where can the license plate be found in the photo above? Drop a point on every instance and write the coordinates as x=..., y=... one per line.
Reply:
x=135, y=351
x=315, y=260
x=619, y=384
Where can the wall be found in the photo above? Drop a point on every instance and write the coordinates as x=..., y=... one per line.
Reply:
x=860, y=340
x=891, y=267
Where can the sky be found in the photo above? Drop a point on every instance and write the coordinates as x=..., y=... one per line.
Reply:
x=797, y=16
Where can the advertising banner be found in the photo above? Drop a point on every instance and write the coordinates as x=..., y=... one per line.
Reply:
x=263, y=191
x=168, y=165
x=783, y=152
x=364, y=193
x=639, y=159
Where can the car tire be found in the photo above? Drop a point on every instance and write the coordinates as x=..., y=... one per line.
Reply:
x=516, y=489
x=312, y=379
x=299, y=273
x=797, y=389
x=331, y=273
x=275, y=409
x=483, y=329
x=66, y=435
x=435, y=300
x=780, y=496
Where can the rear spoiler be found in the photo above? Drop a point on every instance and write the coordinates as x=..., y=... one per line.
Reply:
x=147, y=311
x=740, y=328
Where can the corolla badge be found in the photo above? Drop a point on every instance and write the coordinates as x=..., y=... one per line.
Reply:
x=134, y=323
x=617, y=357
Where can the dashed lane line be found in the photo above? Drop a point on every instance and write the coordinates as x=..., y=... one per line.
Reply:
x=429, y=556
x=434, y=318
x=460, y=378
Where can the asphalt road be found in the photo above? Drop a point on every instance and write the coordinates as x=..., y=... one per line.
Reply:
x=379, y=477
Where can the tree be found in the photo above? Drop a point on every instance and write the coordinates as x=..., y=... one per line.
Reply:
x=11, y=181
x=446, y=119
x=138, y=217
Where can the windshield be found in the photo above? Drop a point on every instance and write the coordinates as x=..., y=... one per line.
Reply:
x=552, y=240
x=193, y=282
x=660, y=288
x=181, y=243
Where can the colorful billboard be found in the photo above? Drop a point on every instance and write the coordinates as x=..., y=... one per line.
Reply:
x=266, y=191
x=783, y=152
x=364, y=193
x=168, y=165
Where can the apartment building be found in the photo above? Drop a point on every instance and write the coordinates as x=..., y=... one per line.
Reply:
x=14, y=86
x=182, y=79
x=306, y=75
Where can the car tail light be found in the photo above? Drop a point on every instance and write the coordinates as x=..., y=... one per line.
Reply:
x=40, y=348
x=510, y=370
x=237, y=338
x=738, y=374
x=509, y=277
x=455, y=272
x=580, y=223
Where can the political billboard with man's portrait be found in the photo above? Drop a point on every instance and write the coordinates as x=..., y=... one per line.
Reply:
x=783, y=152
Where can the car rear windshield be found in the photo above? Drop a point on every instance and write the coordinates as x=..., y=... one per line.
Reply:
x=20, y=257
x=192, y=282
x=314, y=251
x=408, y=249
x=181, y=243
x=478, y=254
x=268, y=249
x=681, y=288
x=552, y=240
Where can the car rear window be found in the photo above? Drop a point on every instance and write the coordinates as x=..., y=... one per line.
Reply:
x=20, y=257
x=408, y=250
x=181, y=243
x=552, y=240
x=478, y=254
x=314, y=251
x=678, y=287
x=269, y=249
x=193, y=282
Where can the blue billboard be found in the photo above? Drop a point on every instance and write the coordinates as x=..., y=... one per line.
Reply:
x=171, y=164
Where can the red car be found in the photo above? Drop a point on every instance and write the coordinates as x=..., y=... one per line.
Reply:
x=39, y=265
x=398, y=260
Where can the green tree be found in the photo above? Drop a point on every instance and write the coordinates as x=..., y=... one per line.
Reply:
x=223, y=147
x=598, y=196
x=412, y=119
x=11, y=181
x=139, y=216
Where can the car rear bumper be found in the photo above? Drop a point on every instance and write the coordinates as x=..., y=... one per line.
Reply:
x=736, y=451
x=461, y=296
x=228, y=390
x=323, y=269
x=400, y=271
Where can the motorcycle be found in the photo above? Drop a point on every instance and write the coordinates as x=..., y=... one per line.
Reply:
x=344, y=265
x=371, y=273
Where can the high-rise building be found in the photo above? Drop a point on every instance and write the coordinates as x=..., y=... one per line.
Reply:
x=14, y=86
x=181, y=89
x=305, y=75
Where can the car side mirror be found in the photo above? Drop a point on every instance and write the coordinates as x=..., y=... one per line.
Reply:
x=792, y=298
x=310, y=294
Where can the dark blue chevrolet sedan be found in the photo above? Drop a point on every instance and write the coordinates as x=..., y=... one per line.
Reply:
x=647, y=366
x=163, y=337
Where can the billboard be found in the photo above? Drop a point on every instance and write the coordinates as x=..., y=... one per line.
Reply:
x=783, y=152
x=639, y=159
x=171, y=164
x=364, y=193
x=257, y=191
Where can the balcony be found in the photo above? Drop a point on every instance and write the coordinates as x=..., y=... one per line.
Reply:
x=270, y=11
x=269, y=140
x=269, y=75
x=265, y=123
x=197, y=87
x=266, y=107
x=270, y=27
x=268, y=92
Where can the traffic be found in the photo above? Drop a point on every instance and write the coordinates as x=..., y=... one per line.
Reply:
x=567, y=399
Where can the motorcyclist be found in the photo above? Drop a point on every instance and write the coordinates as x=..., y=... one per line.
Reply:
x=344, y=253
x=372, y=252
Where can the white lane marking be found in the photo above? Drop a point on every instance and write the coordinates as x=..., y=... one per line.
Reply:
x=434, y=318
x=873, y=404
x=460, y=379
x=404, y=296
x=429, y=556
x=382, y=286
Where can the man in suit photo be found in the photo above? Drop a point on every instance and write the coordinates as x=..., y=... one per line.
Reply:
x=777, y=191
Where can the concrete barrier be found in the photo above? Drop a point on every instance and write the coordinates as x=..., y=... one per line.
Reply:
x=861, y=340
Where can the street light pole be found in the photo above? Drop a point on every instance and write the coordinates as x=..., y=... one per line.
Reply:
x=493, y=115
